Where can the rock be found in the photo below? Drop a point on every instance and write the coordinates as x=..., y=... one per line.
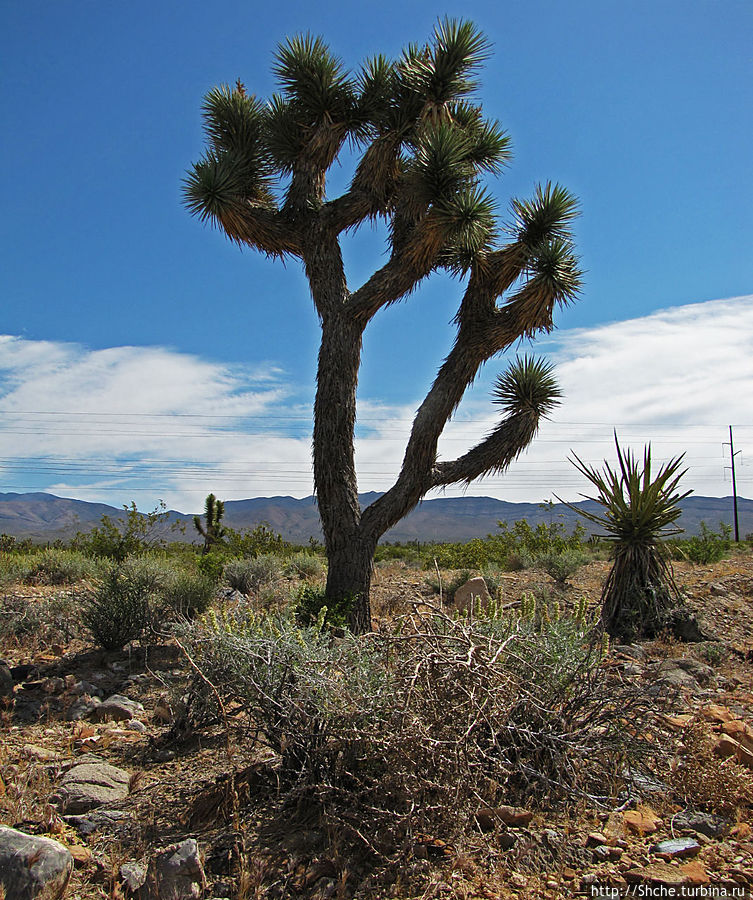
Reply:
x=136, y=725
x=716, y=713
x=86, y=687
x=700, y=671
x=81, y=855
x=32, y=866
x=82, y=708
x=100, y=820
x=6, y=680
x=657, y=875
x=40, y=754
x=133, y=875
x=718, y=590
x=673, y=675
x=680, y=721
x=89, y=785
x=740, y=732
x=708, y=824
x=467, y=595
x=514, y=816
x=53, y=685
x=677, y=848
x=726, y=747
x=176, y=873
x=596, y=839
x=695, y=874
x=641, y=821
x=117, y=708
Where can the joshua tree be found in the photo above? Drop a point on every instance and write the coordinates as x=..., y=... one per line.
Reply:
x=213, y=531
x=640, y=596
x=424, y=147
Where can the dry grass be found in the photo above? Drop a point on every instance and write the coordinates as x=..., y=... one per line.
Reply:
x=702, y=779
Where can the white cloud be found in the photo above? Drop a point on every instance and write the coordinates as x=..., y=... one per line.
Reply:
x=149, y=423
x=676, y=378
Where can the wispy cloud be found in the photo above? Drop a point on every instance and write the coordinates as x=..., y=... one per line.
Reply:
x=148, y=423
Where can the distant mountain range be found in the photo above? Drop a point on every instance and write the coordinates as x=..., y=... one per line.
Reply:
x=44, y=517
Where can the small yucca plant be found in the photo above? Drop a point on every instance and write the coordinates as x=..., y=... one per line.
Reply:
x=640, y=594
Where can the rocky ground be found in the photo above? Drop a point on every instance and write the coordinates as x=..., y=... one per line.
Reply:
x=93, y=780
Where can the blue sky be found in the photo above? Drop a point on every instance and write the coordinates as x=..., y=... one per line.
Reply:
x=110, y=289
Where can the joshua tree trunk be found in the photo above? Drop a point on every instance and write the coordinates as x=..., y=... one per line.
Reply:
x=349, y=576
x=425, y=150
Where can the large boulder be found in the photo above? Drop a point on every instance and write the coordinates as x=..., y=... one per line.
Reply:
x=89, y=785
x=468, y=595
x=32, y=867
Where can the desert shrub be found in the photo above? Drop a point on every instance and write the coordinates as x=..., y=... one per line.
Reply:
x=13, y=570
x=410, y=553
x=212, y=565
x=703, y=780
x=258, y=541
x=131, y=534
x=418, y=727
x=125, y=601
x=708, y=547
x=54, y=566
x=560, y=564
x=248, y=575
x=494, y=580
x=305, y=565
x=474, y=554
x=42, y=621
x=189, y=595
x=448, y=586
x=312, y=606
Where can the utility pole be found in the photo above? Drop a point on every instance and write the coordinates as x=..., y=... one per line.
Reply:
x=732, y=455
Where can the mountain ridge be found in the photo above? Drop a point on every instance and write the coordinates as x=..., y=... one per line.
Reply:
x=46, y=517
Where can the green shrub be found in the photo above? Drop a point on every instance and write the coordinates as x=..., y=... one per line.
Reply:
x=474, y=554
x=189, y=595
x=706, y=548
x=411, y=553
x=13, y=569
x=312, y=606
x=305, y=565
x=53, y=566
x=259, y=541
x=212, y=565
x=560, y=564
x=125, y=602
x=249, y=575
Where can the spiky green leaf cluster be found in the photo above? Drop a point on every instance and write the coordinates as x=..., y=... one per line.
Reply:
x=426, y=148
x=317, y=106
x=638, y=509
x=529, y=385
x=236, y=166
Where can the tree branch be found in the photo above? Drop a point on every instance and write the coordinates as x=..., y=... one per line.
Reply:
x=492, y=455
x=262, y=227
